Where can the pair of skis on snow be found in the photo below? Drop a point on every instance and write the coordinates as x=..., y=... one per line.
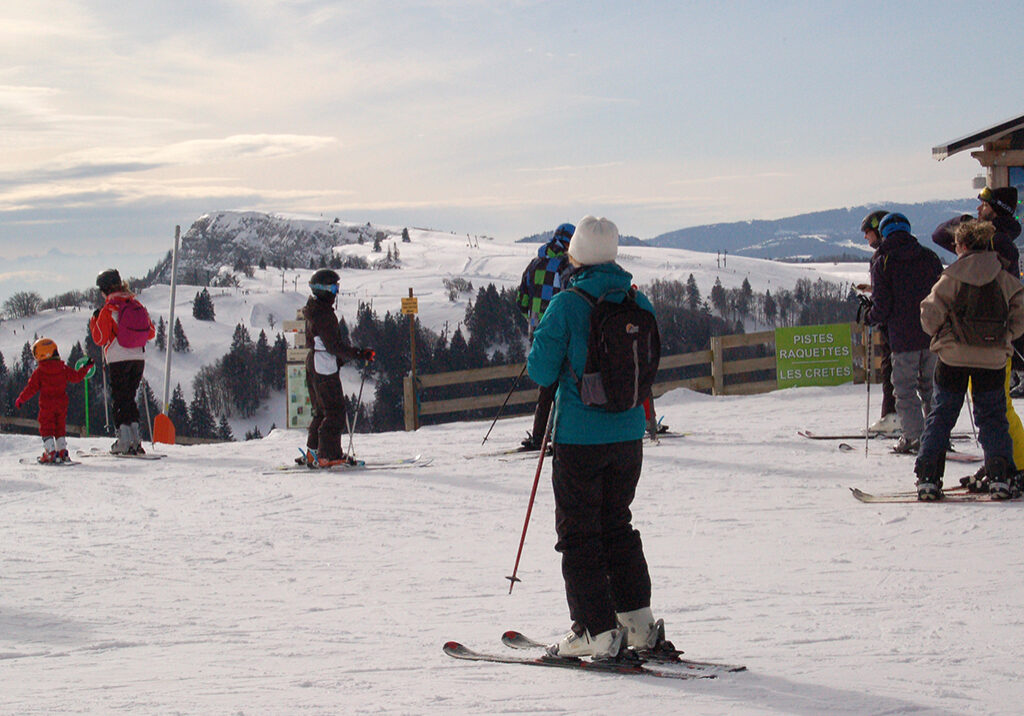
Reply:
x=522, y=450
x=664, y=665
x=951, y=456
x=415, y=461
x=956, y=495
x=92, y=452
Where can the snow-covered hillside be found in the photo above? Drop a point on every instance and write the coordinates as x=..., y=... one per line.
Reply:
x=198, y=584
x=272, y=295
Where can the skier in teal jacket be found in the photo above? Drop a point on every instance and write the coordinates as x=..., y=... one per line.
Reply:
x=596, y=466
x=562, y=333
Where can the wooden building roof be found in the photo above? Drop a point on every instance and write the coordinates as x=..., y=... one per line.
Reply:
x=1011, y=128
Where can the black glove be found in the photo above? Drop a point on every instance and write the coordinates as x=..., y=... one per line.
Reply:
x=865, y=307
x=367, y=354
x=89, y=364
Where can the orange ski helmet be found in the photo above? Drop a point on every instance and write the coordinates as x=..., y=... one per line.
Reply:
x=43, y=349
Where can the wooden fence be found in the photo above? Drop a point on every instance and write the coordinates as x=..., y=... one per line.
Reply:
x=31, y=427
x=721, y=373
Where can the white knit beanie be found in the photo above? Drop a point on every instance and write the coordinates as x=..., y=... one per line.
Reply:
x=595, y=241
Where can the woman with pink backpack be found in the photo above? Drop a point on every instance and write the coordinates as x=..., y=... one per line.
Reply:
x=122, y=328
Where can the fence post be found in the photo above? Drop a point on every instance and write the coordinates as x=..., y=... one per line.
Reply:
x=409, y=403
x=717, y=369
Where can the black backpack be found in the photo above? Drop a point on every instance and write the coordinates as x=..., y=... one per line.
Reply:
x=979, y=314
x=623, y=351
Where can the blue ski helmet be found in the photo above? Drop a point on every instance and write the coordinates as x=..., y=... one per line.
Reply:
x=893, y=222
x=563, y=234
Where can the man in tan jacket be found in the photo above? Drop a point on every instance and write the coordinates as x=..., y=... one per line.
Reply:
x=972, y=343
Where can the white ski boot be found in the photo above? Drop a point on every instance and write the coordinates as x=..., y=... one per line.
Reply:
x=579, y=643
x=123, y=443
x=889, y=426
x=641, y=629
x=135, y=440
x=61, y=447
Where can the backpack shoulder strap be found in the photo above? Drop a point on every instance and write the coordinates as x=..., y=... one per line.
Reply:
x=586, y=296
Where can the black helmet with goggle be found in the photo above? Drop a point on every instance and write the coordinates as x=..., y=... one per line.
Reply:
x=324, y=284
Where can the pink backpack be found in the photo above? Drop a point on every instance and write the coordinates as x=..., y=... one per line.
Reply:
x=133, y=324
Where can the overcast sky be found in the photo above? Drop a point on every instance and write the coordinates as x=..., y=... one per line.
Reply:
x=121, y=119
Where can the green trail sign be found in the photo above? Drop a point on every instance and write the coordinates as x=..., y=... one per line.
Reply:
x=814, y=355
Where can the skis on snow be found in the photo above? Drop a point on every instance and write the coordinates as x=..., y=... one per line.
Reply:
x=416, y=461
x=952, y=494
x=517, y=640
x=629, y=665
x=811, y=435
x=37, y=461
x=100, y=452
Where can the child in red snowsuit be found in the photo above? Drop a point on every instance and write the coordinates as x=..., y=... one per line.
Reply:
x=50, y=379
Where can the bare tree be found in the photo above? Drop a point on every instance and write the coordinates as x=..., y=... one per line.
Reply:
x=23, y=304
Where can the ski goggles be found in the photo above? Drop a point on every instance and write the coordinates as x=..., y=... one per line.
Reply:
x=331, y=288
x=989, y=197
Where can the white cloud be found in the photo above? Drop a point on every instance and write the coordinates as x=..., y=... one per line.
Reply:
x=63, y=175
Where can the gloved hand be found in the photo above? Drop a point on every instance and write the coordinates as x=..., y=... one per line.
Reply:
x=89, y=364
x=18, y=403
x=864, y=308
x=367, y=354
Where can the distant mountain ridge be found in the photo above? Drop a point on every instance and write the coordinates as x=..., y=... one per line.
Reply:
x=227, y=238
x=808, y=236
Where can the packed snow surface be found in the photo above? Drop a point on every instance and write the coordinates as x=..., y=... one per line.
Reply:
x=202, y=584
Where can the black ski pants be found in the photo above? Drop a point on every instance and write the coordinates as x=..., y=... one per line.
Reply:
x=328, y=403
x=125, y=377
x=545, y=397
x=603, y=560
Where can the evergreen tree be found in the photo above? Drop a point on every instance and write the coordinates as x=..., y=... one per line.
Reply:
x=177, y=411
x=263, y=263
x=200, y=419
x=769, y=308
x=242, y=380
x=224, y=429
x=405, y=236
x=693, y=299
x=161, y=334
x=376, y=243
x=27, y=363
x=719, y=298
x=279, y=361
x=262, y=363
x=179, y=342
x=254, y=434
x=743, y=298
x=202, y=306
x=6, y=399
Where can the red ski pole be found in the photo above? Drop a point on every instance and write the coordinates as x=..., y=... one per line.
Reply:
x=529, y=508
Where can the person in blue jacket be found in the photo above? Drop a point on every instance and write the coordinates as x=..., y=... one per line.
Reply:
x=902, y=274
x=596, y=467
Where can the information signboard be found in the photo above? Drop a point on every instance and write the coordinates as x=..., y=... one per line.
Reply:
x=814, y=355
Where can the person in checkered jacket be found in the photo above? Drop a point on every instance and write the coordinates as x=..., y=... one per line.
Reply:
x=546, y=275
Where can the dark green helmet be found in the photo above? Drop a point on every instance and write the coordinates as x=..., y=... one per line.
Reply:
x=872, y=220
